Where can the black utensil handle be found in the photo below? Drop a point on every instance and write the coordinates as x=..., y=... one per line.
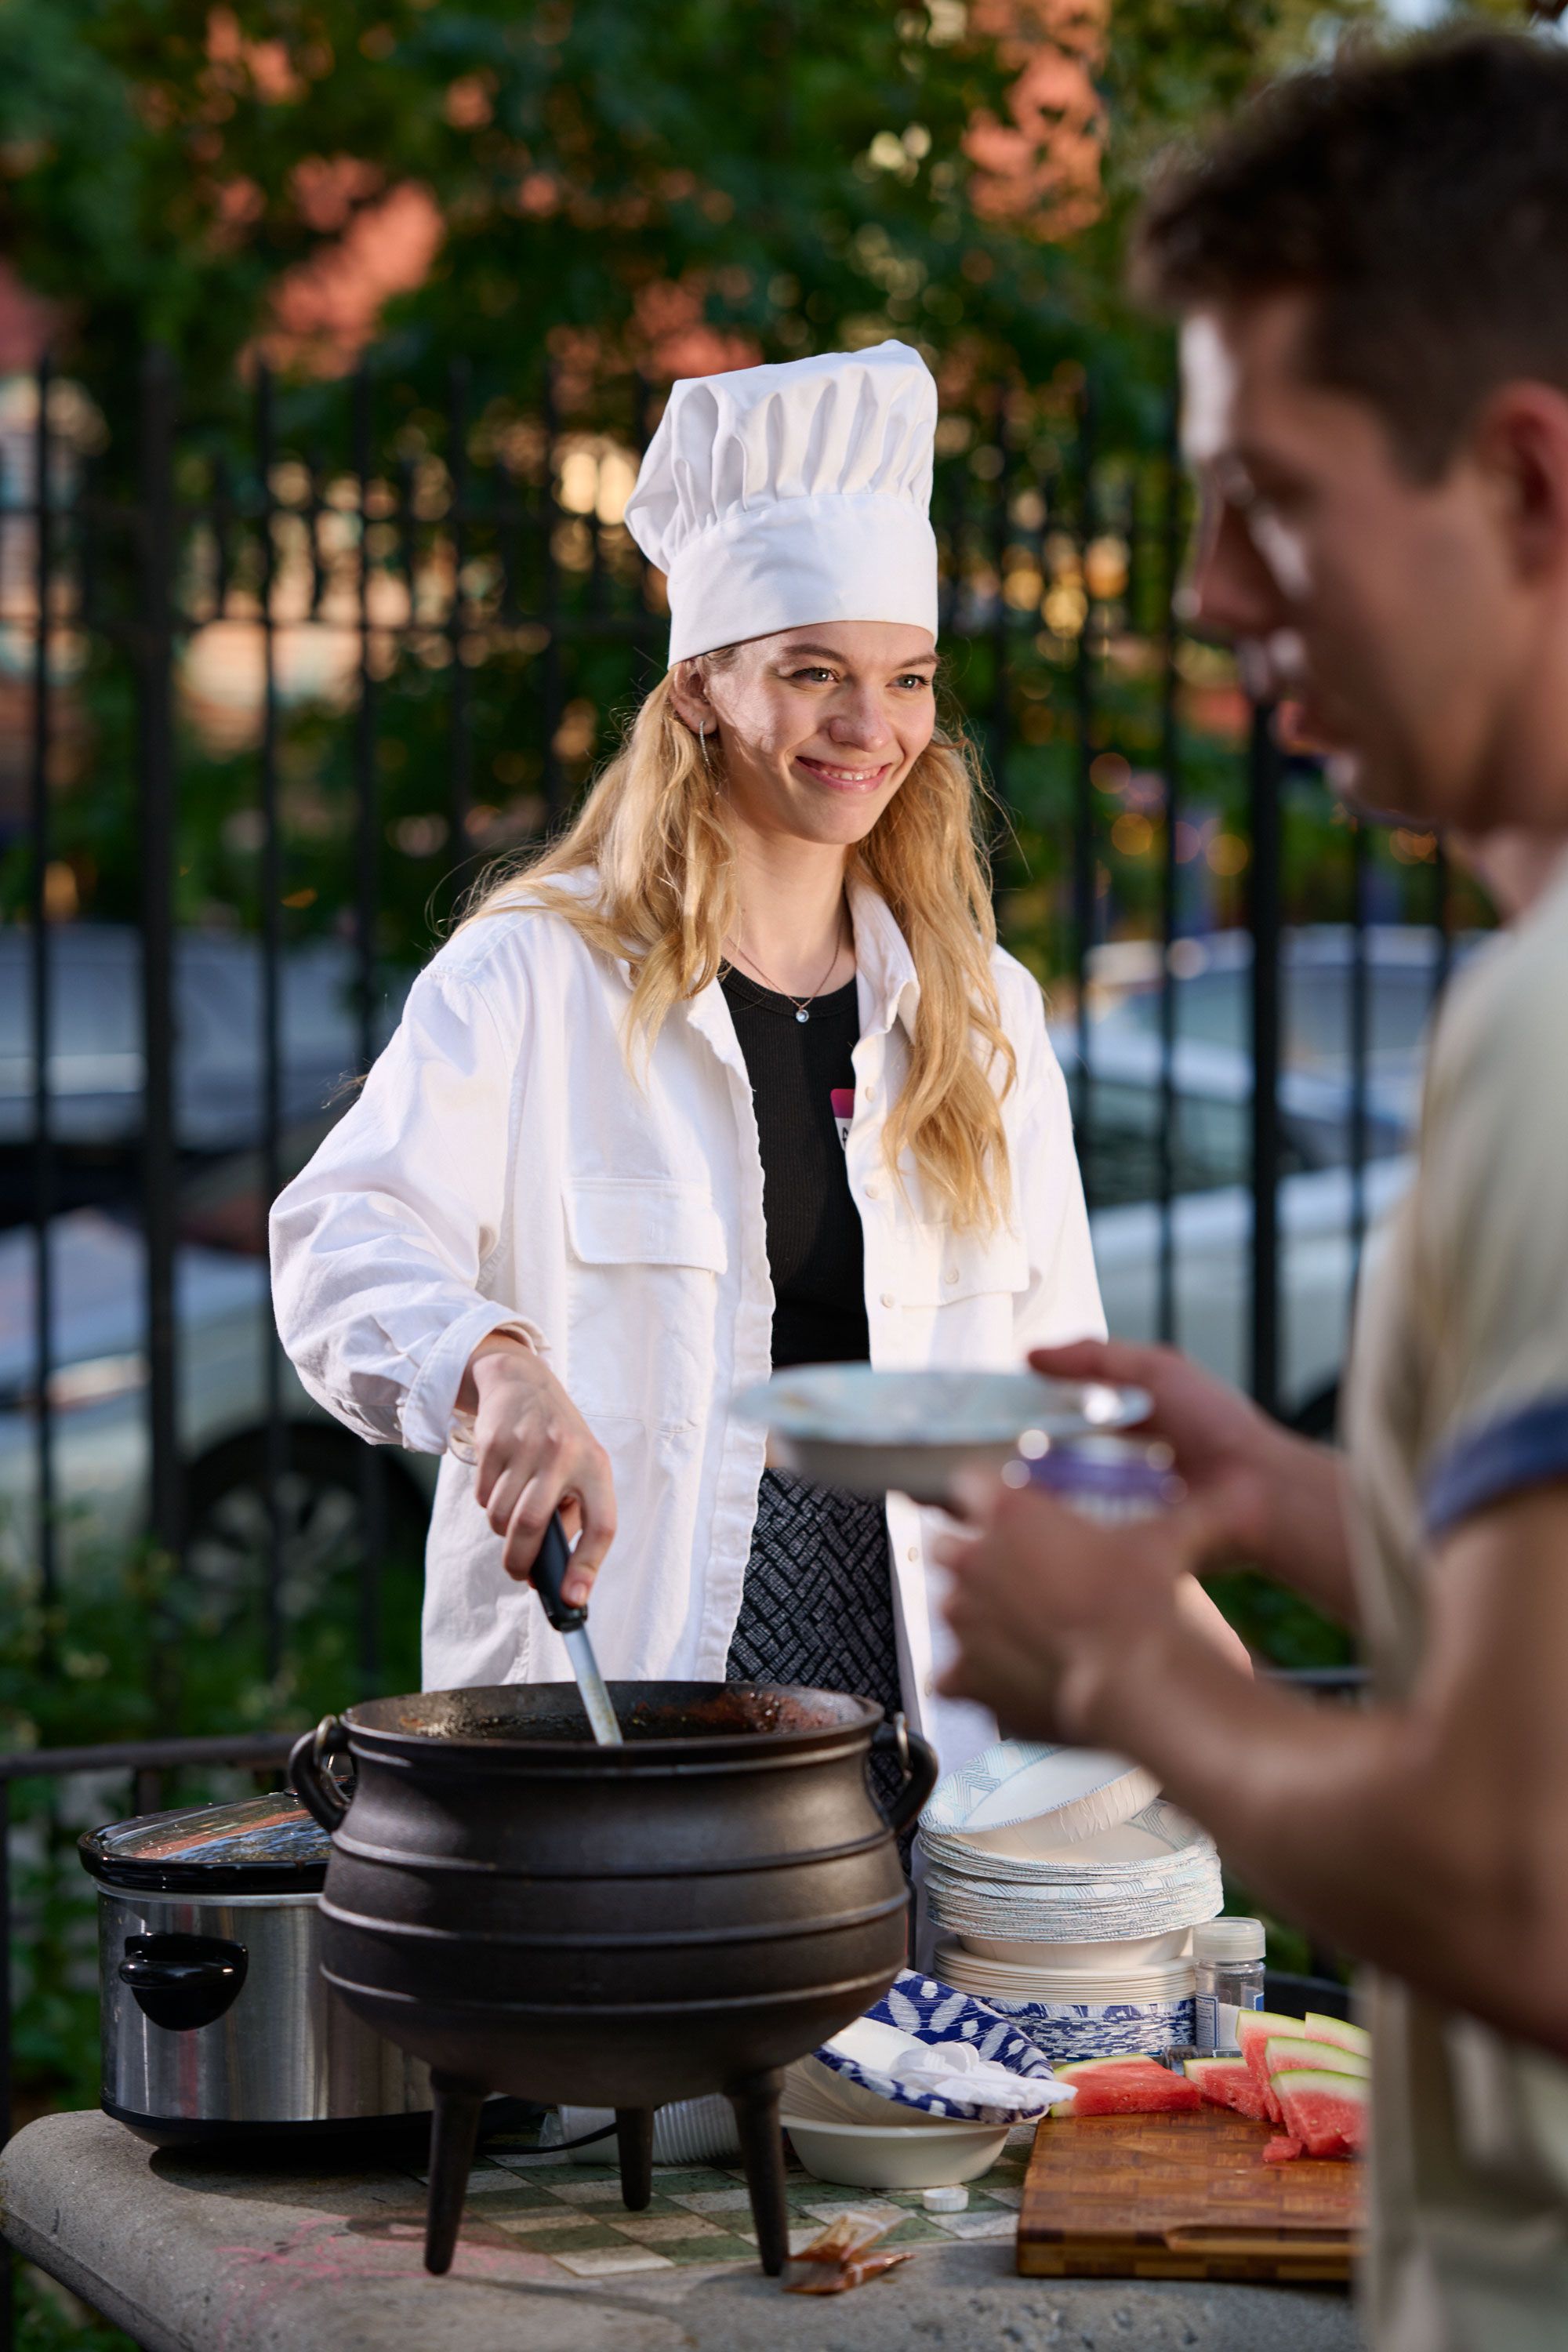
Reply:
x=308, y=1776
x=550, y=1574
x=918, y=1757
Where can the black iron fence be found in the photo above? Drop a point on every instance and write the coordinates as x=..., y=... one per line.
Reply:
x=290, y=686
x=282, y=681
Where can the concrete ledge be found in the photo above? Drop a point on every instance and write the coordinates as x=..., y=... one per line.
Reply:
x=196, y=2254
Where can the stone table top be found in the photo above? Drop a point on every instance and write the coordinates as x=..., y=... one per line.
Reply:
x=195, y=2253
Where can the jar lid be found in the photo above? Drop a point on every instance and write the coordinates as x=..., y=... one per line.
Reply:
x=262, y=1846
x=1228, y=1939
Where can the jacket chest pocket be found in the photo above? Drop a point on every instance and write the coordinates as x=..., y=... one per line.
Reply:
x=645, y=1261
x=945, y=1268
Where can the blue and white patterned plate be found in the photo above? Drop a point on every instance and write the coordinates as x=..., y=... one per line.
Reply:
x=931, y=2012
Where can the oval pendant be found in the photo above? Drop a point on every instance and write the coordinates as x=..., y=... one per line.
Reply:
x=801, y=1014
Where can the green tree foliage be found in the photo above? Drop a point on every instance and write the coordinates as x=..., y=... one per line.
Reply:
x=796, y=170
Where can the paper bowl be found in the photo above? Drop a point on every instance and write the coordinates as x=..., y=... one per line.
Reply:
x=897, y=2155
x=910, y=1432
x=922, y=2009
x=817, y=2096
x=1026, y=1799
x=1130, y=1956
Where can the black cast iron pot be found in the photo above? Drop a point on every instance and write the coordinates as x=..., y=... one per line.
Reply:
x=612, y=1927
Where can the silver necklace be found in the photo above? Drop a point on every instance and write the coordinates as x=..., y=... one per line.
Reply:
x=802, y=1004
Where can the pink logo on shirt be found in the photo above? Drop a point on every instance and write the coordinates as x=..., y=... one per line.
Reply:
x=843, y=1112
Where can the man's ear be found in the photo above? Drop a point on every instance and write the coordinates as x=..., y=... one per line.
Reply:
x=1520, y=442
x=688, y=693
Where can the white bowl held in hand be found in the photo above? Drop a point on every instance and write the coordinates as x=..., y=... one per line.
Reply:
x=910, y=1432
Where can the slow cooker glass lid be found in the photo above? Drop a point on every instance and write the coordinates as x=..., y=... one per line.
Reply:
x=261, y=1845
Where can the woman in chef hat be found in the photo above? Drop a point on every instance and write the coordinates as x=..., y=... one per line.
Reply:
x=733, y=1076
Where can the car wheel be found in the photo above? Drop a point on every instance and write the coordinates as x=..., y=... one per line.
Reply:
x=327, y=1538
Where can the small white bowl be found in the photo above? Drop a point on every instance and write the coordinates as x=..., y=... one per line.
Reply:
x=897, y=2155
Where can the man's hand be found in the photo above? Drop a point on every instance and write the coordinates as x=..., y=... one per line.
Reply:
x=1048, y=1606
x=535, y=1455
x=1274, y=1499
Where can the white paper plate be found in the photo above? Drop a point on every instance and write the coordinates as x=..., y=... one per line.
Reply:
x=1025, y=1799
x=874, y=1432
x=1108, y=1919
x=1155, y=1849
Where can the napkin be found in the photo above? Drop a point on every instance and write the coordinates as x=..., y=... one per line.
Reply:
x=955, y=2070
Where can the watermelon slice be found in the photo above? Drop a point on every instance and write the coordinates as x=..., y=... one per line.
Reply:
x=1281, y=2150
x=1126, y=2086
x=1326, y=2110
x=1253, y=2028
x=1228, y=2083
x=1337, y=2032
x=1286, y=2050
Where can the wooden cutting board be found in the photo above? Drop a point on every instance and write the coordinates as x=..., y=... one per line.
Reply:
x=1184, y=2196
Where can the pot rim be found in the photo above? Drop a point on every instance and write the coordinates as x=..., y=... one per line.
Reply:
x=370, y=1732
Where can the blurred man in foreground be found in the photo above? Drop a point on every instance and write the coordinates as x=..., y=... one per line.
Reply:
x=1371, y=274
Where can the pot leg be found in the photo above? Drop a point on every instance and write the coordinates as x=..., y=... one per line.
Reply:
x=756, y=2103
x=453, y=2132
x=634, y=2139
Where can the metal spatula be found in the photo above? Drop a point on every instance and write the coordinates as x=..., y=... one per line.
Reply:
x=572, y=1624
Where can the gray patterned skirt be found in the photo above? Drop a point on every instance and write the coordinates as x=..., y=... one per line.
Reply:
x=817, y=1607
x=817, y=1604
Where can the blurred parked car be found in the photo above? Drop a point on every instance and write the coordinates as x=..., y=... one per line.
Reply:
x=96, y=1068
x=97, y=1392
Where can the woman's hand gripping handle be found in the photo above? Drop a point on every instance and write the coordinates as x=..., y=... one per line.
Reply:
x=535, y=1455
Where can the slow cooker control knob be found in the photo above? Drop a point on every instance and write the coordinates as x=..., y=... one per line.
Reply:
x=183, y=1981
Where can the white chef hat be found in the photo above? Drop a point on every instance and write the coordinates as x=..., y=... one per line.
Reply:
x=776, y=495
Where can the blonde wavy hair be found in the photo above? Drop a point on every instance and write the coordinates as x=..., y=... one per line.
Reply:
x=655, y=831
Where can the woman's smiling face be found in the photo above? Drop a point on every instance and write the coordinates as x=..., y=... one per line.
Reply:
x=818, y=727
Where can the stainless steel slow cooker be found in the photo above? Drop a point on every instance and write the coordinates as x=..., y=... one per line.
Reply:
x=217, y=2022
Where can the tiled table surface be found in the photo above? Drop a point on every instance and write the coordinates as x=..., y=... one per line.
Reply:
x=198, y=2253
x=571, y=2210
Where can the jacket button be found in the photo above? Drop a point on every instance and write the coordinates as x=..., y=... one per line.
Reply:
x=887, y=1299
x=868, y=1093
x=953, y=1273
x=873, y=1192
x=913, y=1552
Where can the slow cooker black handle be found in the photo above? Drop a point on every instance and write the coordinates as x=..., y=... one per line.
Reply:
x=182, y=1982
x=308, y=1776
x=918, y=1757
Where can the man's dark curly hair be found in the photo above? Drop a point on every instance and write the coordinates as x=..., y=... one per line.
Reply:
x=1421, y=196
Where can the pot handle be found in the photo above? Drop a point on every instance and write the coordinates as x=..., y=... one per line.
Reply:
x=309, y=1775
x=918, y=1757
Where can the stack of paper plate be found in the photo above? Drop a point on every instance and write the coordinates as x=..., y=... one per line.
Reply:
x=1069, y=1890
x=1169, y=1879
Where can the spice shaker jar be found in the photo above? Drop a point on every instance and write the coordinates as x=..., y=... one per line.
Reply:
x=1228, y=1969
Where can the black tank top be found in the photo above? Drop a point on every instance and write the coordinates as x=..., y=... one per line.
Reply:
x=802, y=1085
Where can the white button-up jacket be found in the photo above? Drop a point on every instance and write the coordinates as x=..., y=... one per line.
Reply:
x=504, y=1164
